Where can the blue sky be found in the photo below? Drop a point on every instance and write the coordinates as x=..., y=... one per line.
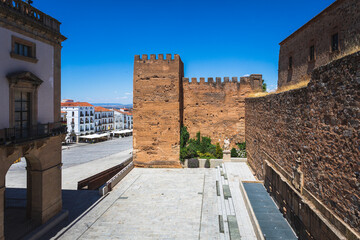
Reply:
x=213, y=38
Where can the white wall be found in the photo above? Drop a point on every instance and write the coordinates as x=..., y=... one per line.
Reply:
x=44, y=69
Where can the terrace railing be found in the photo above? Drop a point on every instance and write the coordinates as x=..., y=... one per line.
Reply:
x=15, y=135
x=29, y=11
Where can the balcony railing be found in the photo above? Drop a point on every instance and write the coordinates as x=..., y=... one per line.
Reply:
x=14, y=135
x=29, y=11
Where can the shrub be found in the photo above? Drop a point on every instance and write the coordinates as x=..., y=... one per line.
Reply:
x=242, y=146
x=193, y=163
x=219, y=151
x=242, y=153
x=234, y=152
x=207, y=163
x=198, y=147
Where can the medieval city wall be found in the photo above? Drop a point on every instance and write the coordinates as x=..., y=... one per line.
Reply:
x=321, y=122
x=157, y=110
x=164, y=101
x=216, y=108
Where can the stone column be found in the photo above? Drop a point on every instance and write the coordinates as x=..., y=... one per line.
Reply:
x=46, y=199
x=2, y=208
x=28, y=192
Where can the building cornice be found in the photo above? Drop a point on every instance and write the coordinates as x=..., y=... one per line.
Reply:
x=21, y=17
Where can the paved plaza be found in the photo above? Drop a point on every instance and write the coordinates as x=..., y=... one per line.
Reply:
x=79, y=161
x=164, y=204
x=148, y=203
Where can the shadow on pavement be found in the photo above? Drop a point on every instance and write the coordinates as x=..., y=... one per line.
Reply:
x=77, y=202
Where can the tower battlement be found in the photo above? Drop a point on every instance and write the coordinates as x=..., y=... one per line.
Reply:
x=254, y=80
x=160, y=57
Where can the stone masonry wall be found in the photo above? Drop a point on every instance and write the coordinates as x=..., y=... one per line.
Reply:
x=157, y=110
x=322, y=121
x=342, y=17
x=216, y=109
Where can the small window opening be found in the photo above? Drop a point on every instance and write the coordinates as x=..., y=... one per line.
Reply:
x=335, y=42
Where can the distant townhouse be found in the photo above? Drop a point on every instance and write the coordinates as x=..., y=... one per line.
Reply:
x=80, y=118
x=123, y=119
x=106, y=118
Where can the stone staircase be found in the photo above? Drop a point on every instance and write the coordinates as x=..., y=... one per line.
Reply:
x=228, y=225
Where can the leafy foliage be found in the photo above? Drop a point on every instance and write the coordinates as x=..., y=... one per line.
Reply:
x=234, y=152
x=242, y=150
x=198, y=147
x=219, y=151
x=184, y=136
x=263, y=86
x=241, y=146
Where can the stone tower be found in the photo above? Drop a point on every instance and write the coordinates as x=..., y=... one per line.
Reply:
x=158, y=108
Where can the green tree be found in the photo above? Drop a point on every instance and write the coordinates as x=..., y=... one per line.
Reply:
x=219, y=151
x=184, y=136
x=263, y=86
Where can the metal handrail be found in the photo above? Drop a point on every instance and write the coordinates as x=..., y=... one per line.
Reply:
x=15, y=135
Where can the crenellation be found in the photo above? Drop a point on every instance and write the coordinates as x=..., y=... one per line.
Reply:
x=226, y=80
x=185, y=80
x=160, y=57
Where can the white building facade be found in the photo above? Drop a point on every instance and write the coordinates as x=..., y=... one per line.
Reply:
x=122, y=119
x=106, y=119
x=80, y=118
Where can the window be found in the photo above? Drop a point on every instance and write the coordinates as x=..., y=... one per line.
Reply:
x=73, y=113
x=22, y=113
x=290, y=62
x=312, y=53
x=335, y=42
x=23, y=50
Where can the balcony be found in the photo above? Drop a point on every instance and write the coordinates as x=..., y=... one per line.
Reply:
x=21, y=8
x=81, y=115
x=87, y=114
x=91, y=114
x=14, y=135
